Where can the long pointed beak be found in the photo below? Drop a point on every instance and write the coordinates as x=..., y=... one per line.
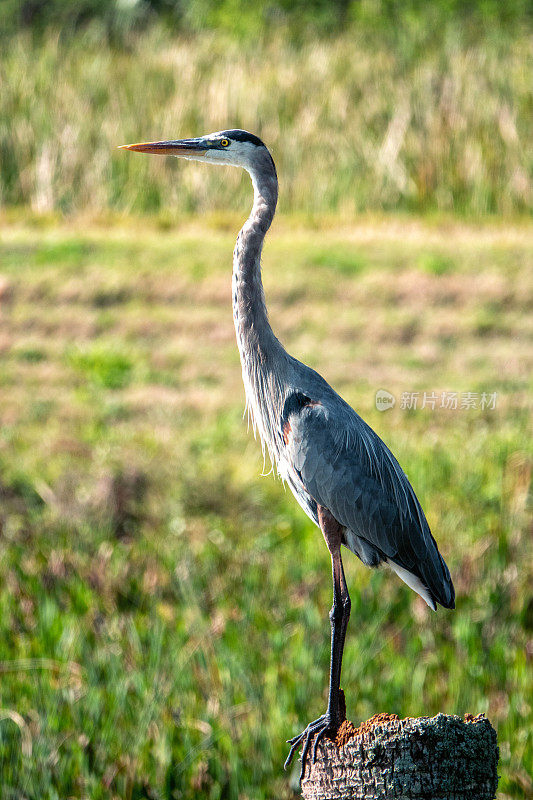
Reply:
x=180, y=147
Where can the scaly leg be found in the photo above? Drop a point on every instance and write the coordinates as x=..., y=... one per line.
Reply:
x=339, y=615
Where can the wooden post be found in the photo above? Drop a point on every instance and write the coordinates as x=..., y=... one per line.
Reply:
x=442, y=758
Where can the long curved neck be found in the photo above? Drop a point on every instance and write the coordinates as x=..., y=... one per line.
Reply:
x=263, y=358
x=254, y=334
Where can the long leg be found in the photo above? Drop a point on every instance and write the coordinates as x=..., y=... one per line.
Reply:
x=339, y=615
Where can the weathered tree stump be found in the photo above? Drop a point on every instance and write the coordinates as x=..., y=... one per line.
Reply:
x=442, y=758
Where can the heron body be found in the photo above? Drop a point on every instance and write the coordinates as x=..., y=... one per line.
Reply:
x=339, y=470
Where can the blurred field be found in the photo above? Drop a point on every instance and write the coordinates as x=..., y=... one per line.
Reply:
x=163, y=624
x=419, y=118
x=163, y=606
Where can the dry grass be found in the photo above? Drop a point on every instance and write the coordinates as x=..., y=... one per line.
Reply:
x=354, y=123
x=403, y=296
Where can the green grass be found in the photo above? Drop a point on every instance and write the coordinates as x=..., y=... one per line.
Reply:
x=163, y=607
x=104, y=367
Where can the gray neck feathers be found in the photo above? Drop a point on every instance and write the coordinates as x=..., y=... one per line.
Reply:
x=263, y=358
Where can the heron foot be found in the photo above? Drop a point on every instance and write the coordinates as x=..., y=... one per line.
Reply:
x=318, y=729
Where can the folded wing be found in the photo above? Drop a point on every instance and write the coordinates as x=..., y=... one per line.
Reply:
x=343, y=465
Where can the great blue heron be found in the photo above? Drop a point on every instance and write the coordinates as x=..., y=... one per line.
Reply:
x=340, y=472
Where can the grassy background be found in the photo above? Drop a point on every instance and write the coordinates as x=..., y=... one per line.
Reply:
x=163, y=607
x=423, y=121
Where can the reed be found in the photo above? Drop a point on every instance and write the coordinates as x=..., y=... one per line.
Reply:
x=355, y=123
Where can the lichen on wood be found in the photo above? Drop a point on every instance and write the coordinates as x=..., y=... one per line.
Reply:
x=438, y=758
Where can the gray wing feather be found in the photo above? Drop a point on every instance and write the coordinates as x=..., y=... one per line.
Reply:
x=345, y=466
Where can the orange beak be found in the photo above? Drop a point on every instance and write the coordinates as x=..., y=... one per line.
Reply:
x=180, y=147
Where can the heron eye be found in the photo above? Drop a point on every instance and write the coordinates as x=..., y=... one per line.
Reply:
x=224, y=142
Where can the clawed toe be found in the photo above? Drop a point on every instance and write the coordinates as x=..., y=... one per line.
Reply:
x=295, y=738
x=318, y=737
x=294, y=744
x=319, y=727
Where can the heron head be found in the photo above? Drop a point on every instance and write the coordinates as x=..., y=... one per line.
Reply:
x=234, y=147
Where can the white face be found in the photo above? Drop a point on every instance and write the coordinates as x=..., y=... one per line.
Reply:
x=236, y=154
